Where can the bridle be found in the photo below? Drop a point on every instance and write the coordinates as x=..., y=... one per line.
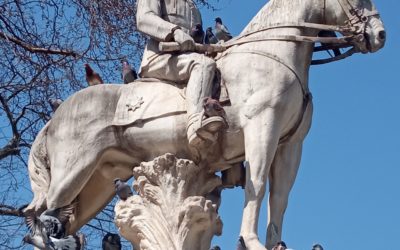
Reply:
x=354, y=32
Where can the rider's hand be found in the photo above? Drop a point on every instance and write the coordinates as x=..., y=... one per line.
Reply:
x=185, y=41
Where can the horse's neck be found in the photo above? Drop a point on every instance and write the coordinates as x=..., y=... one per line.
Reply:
x=286, y=12
x=275, y=12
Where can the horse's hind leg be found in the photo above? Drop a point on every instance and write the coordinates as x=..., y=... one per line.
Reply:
x=282, y=176
x=100, y=189
x=261, y=140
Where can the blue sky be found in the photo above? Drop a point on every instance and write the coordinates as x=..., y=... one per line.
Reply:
x=346, y=194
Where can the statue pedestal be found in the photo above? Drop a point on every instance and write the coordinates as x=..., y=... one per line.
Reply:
x=171, y=210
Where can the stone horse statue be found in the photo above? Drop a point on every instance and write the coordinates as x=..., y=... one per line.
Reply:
x=77, y=155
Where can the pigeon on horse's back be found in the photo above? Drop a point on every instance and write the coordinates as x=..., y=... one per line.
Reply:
x=128, y=73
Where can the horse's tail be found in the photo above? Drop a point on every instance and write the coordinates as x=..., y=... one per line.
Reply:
x=39, y=171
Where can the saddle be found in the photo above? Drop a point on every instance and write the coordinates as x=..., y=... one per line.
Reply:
x=147, y=99
x=150, y=98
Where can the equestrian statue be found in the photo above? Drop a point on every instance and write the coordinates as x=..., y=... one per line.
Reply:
x=101, y=132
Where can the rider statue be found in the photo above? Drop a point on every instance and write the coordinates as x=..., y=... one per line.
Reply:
x=171, y=21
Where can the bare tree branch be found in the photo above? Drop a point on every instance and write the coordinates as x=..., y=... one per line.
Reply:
x=10, y=211
x=35, y=49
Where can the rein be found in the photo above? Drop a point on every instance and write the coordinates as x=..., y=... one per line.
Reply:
x=353, y=32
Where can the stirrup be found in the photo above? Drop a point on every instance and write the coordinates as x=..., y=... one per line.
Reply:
x=200, y=131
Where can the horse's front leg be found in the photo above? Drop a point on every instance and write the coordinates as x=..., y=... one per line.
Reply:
x=261, y=139
x=281, y=179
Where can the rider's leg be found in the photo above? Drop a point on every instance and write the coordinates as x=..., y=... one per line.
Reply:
x=197, y=70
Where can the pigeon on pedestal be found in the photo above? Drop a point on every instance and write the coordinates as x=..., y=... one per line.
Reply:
x=111, y=242
x=122, y=189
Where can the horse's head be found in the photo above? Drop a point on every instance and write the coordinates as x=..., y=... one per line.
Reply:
x=363, y=19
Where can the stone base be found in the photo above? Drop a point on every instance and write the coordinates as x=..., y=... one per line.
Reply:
x=171, y=210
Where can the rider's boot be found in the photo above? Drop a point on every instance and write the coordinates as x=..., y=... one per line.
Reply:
x=202, y=130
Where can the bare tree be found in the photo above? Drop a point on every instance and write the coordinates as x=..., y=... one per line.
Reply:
x=44, y=45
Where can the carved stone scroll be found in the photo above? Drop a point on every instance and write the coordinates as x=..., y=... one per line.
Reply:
x=170, y=210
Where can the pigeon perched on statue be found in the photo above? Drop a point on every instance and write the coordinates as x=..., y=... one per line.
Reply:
x=92, y=77
x=212, y=107
x=111, y=242
x=197, y=33
x=122, y=189
x=128, y=73
x=38, y=235
x=71, y=242
x=210, y=38
x=221, y=31
x=241, y=245
x=48, y=231
x=54, y=220
x=280, y=245
x=215, y=248
x=317, y=247
x=55, y=103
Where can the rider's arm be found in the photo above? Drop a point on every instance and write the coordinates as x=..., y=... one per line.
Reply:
x=149, y=21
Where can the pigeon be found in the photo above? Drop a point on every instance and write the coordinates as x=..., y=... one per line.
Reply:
x=128, y=73
x=55, y=103
x=317, y=247
x=215, y=248
x=221, y=31
x=210, y=38
x=38, y=235
x=280, y=245
x=328, y=33
x=92, y=77
x=241, y=244
x=197, y=33
x=71, y=242
x=123, y=189
x=54, y=220
x=111, y=242
x=212, y=107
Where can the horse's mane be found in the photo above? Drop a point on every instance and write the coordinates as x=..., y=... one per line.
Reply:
x=277, y=11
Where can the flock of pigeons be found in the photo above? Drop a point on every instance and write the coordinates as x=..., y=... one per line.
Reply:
x=93, y=78
x=48, y=231
x=221, y=33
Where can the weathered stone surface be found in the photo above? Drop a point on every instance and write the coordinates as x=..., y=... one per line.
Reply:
x=170, y=210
